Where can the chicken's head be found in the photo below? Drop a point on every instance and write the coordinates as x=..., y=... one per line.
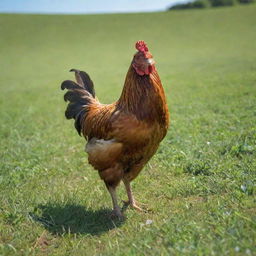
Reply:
x=143, y=61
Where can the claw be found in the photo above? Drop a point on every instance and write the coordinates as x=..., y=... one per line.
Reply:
x=134, y=206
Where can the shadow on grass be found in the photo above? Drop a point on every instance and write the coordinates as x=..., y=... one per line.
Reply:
x=74, y=219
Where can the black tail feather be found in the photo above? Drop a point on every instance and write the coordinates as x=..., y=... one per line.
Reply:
x=78, y=120
x=76, y=96
x=84, y=80
x=79, y=95
x=68, y=84
x=73, y=109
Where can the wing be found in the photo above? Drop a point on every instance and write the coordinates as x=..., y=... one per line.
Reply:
x=131, y=131
x=108, y=122
x=115, y=136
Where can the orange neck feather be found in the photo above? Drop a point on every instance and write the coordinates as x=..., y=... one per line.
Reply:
x=144, y=97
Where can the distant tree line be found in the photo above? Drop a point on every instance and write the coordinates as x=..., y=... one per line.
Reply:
x=209, y=3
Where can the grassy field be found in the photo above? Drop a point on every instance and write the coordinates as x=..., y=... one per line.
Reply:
x=200, y=186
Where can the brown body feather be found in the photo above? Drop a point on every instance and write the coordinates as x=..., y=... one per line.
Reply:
x=138, y=120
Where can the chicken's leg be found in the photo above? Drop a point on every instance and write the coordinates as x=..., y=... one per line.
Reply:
x=116, y=209
x=131, y=200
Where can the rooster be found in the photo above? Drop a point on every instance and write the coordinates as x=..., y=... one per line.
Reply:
x=122, y=136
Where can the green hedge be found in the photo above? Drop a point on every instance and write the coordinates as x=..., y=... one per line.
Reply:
x=199, y=4
x=216, y=3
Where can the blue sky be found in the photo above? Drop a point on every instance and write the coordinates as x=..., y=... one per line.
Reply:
x=84, y=6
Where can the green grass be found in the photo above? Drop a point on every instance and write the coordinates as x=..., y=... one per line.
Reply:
x=200, y=186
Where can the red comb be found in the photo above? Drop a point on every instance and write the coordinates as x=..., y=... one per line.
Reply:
x=141, y=46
